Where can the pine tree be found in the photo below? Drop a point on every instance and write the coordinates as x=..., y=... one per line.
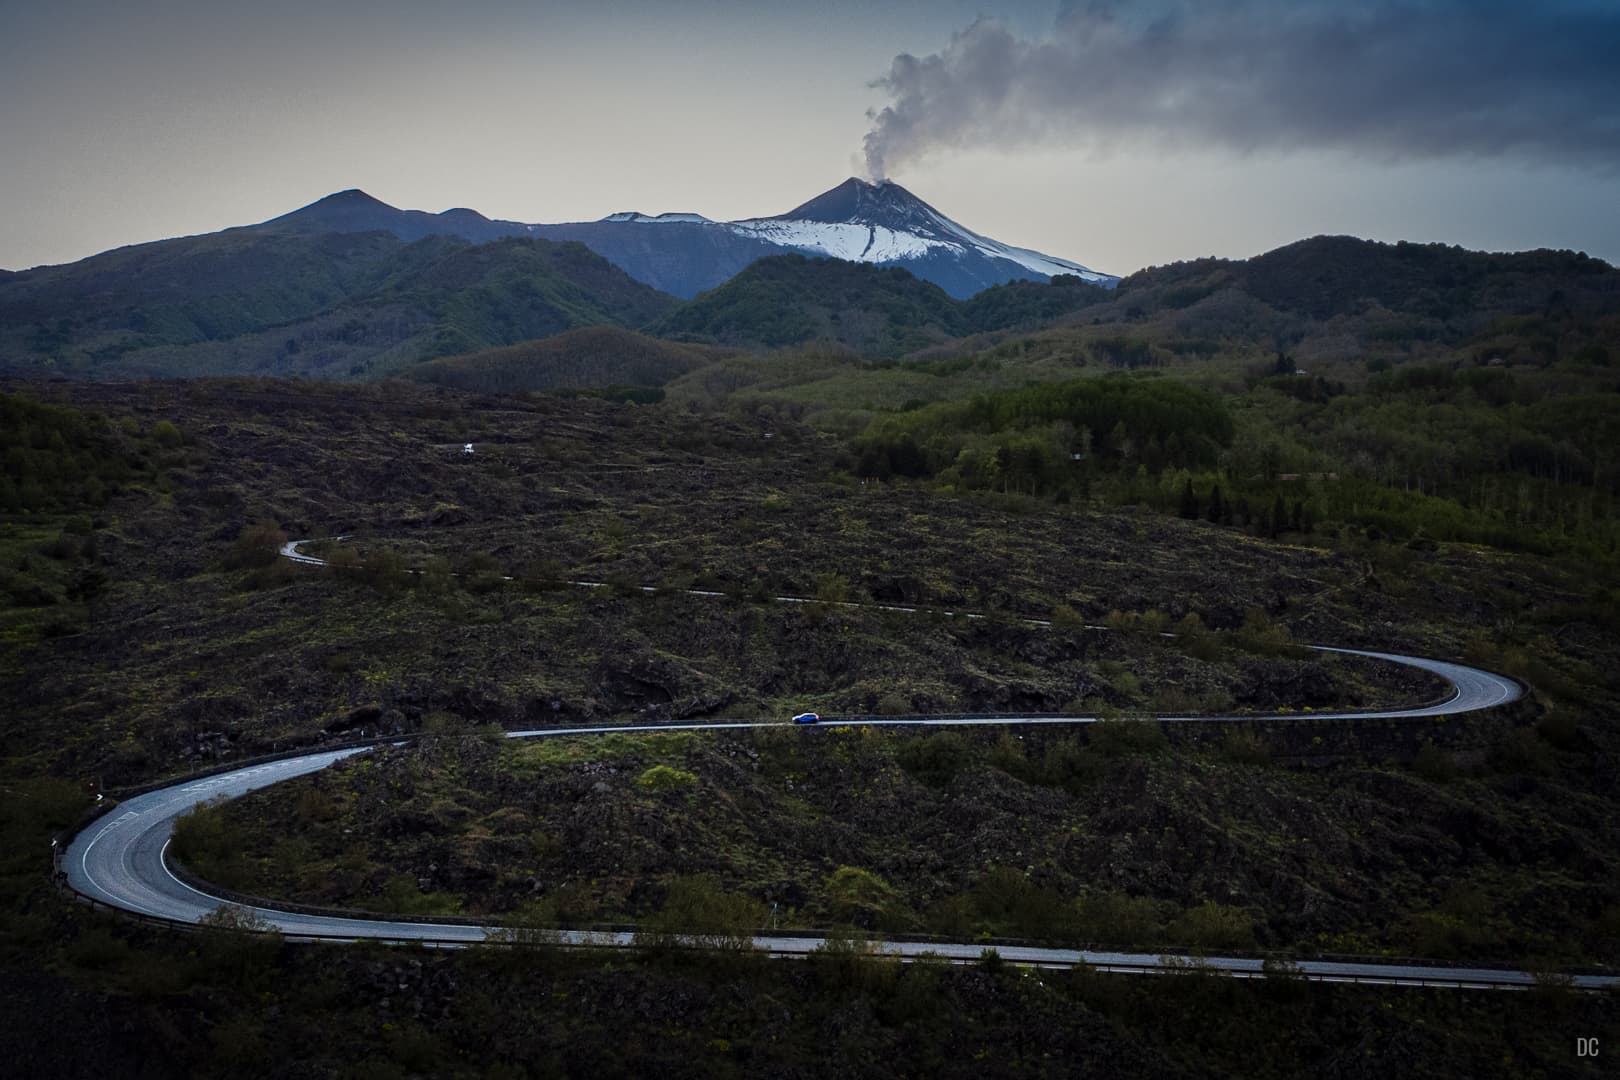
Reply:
x=1189, y=501
x=1217, y=510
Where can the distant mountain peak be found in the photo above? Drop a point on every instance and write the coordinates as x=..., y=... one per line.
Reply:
x=350, y=197
x=351, y=210
x=857, y=200
x=883, y=223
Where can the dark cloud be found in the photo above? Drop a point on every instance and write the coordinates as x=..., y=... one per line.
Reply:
x=1389, y=79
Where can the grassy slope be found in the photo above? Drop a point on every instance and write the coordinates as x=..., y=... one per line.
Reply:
x=598, y=356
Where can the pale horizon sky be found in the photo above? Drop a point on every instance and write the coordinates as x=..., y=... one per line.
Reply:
x=1050, y=126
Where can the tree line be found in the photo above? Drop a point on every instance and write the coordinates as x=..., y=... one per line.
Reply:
x=1049, y=438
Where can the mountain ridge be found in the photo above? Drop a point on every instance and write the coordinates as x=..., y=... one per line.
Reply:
x=354, y=210
x=333, y=290
x=326, y=305
x=686, y=253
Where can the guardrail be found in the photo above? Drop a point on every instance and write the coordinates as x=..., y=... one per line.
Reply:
x=129, y=791
x=592, y=939
x=1182, y=960
x=243, y=899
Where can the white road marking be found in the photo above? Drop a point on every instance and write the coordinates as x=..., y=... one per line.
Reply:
x=1471, y=687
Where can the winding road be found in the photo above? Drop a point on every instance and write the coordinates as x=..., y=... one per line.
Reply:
x=120, y=859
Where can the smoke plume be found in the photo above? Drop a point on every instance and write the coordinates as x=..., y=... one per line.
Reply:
x=1387, y=79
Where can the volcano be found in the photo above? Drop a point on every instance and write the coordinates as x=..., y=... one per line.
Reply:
x=686, y=253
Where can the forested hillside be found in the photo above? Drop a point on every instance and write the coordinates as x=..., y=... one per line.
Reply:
x=595, y=357
x=1552, y=302
x=876, y=311
x=1417, y=392
x=329, y=306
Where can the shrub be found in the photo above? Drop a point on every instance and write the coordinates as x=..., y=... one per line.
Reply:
x=1067, y=620
x=1013, y=903
x=1069, y=765
x=1260, y=634
x=542, y=575
x=344, y=563
x=1120, y=738
x=482, y=573
x=208, y=841
x=1195, y=639
x=1216, y=926
x=935, y=759
x=272, y=575
x=1007, y=754
x=1154, y=623
x=96, y=949
x=893, y=704
x=1434, y=764
x=231, y=917
x=314, y=806
x=1117, y=919
x=1521, y=752
x=1442, y=935
x=436, y=577
x=664, y=778
x=166, y=435
x=1120, y=678
x=257, y=545
x=239, y=944
x=697, y=911
x=832, y=588
x=848, y=962
x=1245, y=746
x=401, y=895
x=1281, y=969
x=858, y=896
x=385, y=571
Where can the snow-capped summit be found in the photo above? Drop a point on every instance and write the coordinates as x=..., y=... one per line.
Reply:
x=882, y=203
x=884, y=223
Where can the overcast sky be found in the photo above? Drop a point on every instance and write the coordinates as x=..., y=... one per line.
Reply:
x=1120, y=134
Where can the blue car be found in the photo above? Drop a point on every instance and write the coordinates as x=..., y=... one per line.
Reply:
x=807, y=718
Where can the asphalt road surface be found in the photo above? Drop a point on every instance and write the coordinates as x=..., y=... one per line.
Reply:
x=120, y=859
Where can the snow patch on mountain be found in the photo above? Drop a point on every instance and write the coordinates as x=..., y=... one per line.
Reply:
x=885, y=223
x=848, y=240
x=658, y=219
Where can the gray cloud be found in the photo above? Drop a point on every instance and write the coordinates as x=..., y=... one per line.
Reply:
x=1386, y=79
